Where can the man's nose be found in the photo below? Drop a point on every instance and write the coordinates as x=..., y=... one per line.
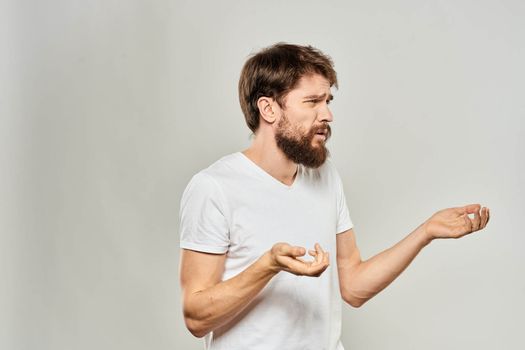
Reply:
x=325, y=114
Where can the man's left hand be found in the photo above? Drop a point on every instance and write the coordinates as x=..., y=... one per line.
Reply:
x=456, y=223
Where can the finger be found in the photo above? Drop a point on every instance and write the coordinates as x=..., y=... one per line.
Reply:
x=476, y=222
x=465, y=209
x=312, y=252
x=326, y=259
x=483, y=217
x=294, y=251
x=322, y=259
x=316, y=269
x=488, y=216
x=472, y=208
x=300, y=259
x=301, y=268
x=322, y=254
x=470, y=224
x=318, y=258
x=467, y=225
x=296, y=266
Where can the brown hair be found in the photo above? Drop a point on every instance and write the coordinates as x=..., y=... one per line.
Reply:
x=275, y=71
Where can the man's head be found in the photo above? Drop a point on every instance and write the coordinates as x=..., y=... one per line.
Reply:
x=287, y=88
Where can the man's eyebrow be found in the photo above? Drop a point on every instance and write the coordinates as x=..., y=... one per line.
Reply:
x=319, y=97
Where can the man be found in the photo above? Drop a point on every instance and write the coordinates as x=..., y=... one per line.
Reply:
x=248, y=220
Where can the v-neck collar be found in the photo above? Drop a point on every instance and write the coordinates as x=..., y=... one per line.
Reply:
x=269, y=177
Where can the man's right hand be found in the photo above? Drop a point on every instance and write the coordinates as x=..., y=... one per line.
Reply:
x=285, y=257
x=209, y=302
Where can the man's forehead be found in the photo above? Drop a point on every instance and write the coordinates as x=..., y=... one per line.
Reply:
x=313, y=85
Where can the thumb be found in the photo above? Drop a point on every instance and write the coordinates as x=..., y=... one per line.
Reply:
x=471, y=208
x=296, y=251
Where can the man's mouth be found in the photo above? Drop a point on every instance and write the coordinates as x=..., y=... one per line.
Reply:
x=322, y=133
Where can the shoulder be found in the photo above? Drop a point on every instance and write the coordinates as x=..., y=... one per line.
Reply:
x=223, y=168
x=214, y=180
x=213, y=174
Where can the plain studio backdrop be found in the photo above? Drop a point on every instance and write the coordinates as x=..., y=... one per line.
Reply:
x=109, y=107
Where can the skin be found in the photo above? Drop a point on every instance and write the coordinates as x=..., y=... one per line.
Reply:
x=209, y=303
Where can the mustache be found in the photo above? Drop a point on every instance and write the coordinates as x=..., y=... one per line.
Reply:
x=324, y=128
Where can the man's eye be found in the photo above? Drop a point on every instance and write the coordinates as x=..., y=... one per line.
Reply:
x=317, y=101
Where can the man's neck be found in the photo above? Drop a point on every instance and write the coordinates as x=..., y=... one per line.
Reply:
x=265, y=153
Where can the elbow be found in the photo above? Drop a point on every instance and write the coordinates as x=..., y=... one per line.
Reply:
x=195, y=324
x=354, y=302
x=194, y=321
x=195, y=327
x=353, y=299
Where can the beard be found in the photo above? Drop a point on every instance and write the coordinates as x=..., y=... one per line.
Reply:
x=299, y=149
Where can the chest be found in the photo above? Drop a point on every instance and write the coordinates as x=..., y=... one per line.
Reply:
x=262, y=216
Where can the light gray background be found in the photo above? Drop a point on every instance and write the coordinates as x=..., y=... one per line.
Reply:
x=109, y=107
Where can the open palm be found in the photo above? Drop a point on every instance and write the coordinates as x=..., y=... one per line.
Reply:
x=456, y=223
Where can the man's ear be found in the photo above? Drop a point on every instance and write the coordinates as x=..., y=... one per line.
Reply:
x=267, y=106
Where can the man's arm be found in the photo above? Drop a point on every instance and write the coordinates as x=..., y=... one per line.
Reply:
x=209, y=303
x=361, y=280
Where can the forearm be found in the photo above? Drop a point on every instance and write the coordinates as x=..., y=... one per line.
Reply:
x=365, y=279
x=207, y=309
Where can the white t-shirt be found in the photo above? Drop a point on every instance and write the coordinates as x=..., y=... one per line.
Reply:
x=235, y=207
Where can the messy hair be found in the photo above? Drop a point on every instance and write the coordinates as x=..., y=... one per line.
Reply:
x=275, y=71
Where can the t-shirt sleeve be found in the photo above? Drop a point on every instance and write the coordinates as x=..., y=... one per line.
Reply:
x=203, y=217
x=344, y=222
